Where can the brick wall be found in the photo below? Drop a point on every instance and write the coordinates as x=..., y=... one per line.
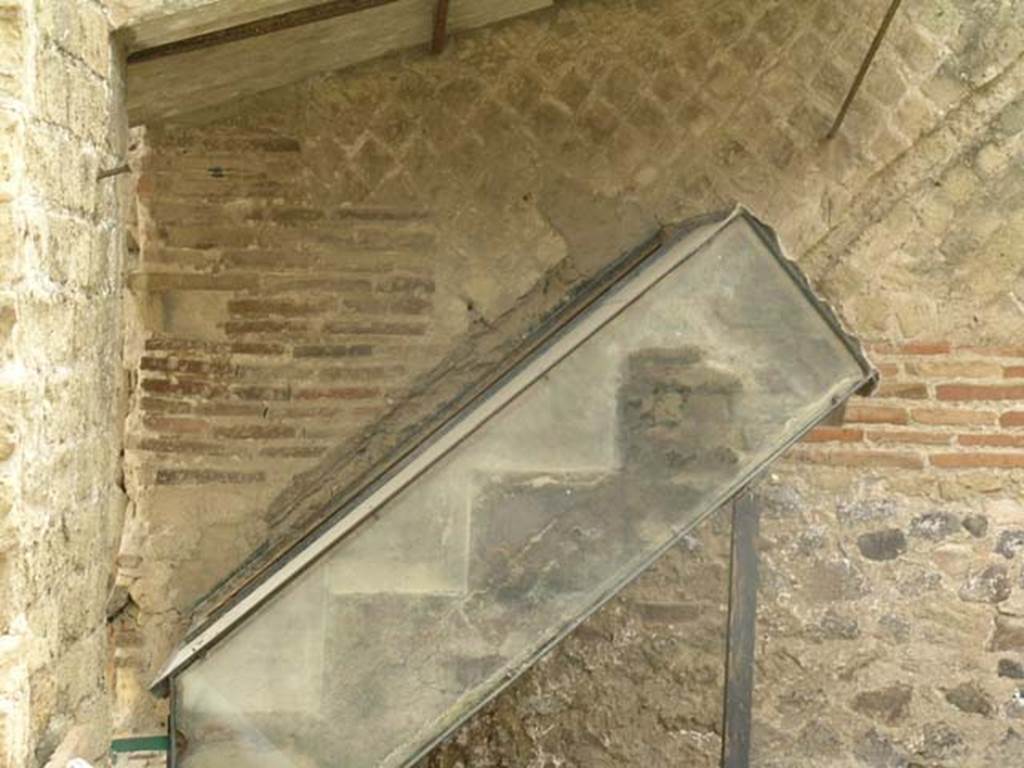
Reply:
x=272, y=328
x=270, y=351
x=940, y=407
x=60, y=373
x=313, y=259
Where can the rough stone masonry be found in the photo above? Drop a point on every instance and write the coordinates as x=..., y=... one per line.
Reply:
x=61, y=411
x=313, y=269
x=319, y=265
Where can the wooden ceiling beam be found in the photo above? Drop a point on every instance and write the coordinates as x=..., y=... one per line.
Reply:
x=203, y=71
x=440, y=27
x=145, y=24
x=263, y=26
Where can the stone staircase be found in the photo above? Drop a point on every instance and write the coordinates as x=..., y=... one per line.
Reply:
x=655, y=408
x=537, y=540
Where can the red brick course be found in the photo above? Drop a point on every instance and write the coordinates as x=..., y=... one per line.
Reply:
x=875, y=414
x=972, y=460
x=935, y=408
x=978, y=392
x=937, y=405
x=1003, y=441
x=825, y=434
x=311, y=317
x=947, y=416
x=912, y=390
x=909, y=436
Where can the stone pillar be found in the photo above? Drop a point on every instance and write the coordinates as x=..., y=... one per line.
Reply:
x=60, y=376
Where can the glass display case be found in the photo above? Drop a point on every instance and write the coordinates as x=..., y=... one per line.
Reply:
x=583, y=463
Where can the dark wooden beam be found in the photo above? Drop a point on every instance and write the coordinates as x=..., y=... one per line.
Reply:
x=739, y=656
x=440, y=27
x=865, y=65
x=266, y=26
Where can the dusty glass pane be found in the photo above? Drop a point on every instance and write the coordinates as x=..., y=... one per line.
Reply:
x=465, y=575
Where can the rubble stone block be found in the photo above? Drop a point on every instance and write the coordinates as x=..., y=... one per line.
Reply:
x=882, y=545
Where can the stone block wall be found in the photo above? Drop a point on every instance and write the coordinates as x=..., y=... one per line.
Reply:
x=315, y=259
x=61, y=497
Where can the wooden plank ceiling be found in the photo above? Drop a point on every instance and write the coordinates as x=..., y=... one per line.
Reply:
x=187, y=55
